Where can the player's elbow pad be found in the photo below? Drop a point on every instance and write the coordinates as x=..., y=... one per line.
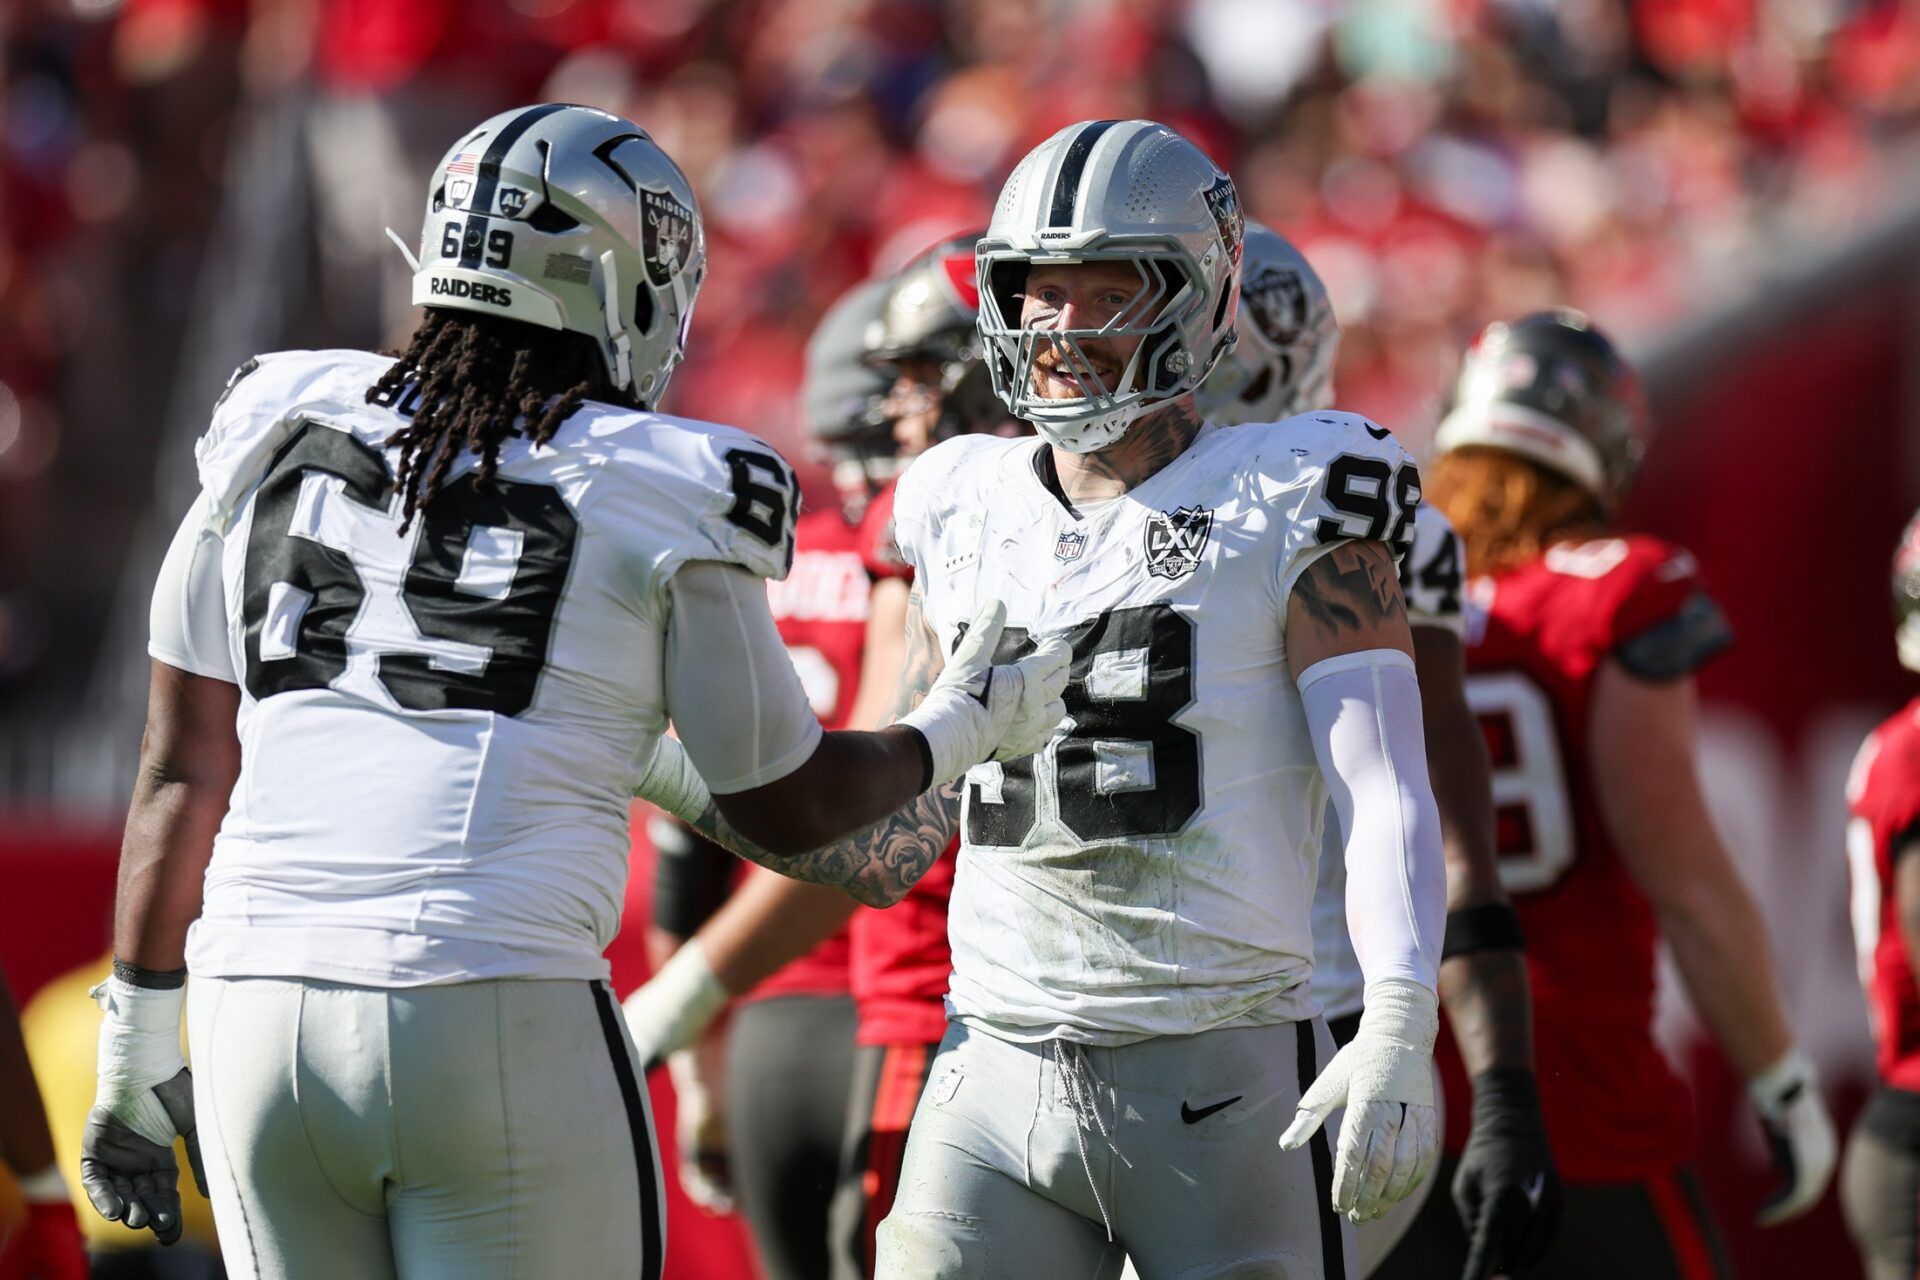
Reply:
x=1363, y=710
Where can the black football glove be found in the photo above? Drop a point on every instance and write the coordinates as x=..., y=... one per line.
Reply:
x=1506, y=1189
x=133, y=1179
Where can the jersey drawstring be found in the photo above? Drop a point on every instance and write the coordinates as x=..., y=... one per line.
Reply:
x=1078, y=1081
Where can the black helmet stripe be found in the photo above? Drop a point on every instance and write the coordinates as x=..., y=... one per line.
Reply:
x=1066, y=185
x=487, y=178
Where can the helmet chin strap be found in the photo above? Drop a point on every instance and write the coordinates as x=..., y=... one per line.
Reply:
x=413, y=263
x=617, y=337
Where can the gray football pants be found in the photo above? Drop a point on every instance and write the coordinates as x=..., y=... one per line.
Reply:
x=1022, y=1156
x=474, y=1130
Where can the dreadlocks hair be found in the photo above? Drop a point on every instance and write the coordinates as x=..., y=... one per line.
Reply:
x=470, y=382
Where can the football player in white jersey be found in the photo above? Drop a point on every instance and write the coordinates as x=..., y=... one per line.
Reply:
x=413, y=647
x=1506, y=1189
x=1135, y=1062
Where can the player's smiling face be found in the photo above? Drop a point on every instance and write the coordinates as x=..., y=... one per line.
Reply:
x=1080, y=295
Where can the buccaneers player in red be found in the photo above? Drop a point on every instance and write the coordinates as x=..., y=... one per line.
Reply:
x=1582, y=644
x=1880, y=1185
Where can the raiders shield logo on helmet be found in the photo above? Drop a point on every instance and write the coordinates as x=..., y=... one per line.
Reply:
x=666, y=235
x=1277, y=300
x=1175, y=540
x=1224, y=203
x=512, y=201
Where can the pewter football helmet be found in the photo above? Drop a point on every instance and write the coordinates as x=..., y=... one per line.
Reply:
x=933, y=313
x=569, y=218
x=1114, y=190
x=1283, y=363
x=841, y=392
x=1551, y=388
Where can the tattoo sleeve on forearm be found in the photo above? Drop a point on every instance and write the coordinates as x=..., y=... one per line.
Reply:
x=878, y=865
x=1353, y=585
x=875, y=866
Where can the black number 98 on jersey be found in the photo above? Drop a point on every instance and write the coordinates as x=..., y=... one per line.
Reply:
x=1124, y=769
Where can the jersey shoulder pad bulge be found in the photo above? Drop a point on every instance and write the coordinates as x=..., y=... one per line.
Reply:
x=678, y=490
x=954, y=478
x=264, y=401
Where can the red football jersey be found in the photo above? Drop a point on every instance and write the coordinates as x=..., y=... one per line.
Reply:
x=901, y=960
x=878, y=551
x=821, y=610
x=1536, y=637
x=1883, y=796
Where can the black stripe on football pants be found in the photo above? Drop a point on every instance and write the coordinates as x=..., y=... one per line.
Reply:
x=487, y=178
x=1066, y=184
x=653, y=1245
x=1332, y=1259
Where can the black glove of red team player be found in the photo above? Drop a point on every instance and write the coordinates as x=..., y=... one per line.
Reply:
x=1506, y=1189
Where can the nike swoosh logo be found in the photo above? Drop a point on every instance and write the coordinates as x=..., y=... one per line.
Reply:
x=1533, y=1187
x=1378, y=433
x=1191, y=1116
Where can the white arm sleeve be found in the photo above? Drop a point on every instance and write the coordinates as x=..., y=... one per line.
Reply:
x=187, y=624
x=1363, y=710
x=732, y=692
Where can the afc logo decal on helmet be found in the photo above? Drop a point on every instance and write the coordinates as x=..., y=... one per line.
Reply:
x=1175, y=540
x=666, y=234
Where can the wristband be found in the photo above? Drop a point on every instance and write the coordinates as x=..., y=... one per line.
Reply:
x=44, y=1187
x=1487, y=926
x=1506, y=1090
x=151, y=979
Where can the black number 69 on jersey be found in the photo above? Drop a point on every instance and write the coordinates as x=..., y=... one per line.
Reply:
x=300, y=596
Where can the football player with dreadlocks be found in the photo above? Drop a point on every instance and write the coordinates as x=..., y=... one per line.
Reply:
x=1582, y=643
x=1880, y=1181
x=414, y=646
x=1505, y=1189
x=1134, y=1063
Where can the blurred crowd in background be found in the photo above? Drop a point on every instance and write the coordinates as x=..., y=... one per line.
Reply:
x=168, y=163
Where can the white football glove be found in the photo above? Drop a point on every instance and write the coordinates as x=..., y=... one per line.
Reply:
x=1384, y=1078
x=144, y=1099
x=670, y=1010
x=1799, y=1135
x=977, y=711
x=700, y=1126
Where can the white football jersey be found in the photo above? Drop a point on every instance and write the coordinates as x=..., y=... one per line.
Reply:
x=440, y=731
x=1432, y=576
x=1152, y=871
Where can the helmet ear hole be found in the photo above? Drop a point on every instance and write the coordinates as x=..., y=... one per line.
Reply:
x=440, y=197
x=643, y=309
x=551, y=219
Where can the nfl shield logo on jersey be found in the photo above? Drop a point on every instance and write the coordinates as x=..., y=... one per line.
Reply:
x=1071, y=544
x=1175, y=540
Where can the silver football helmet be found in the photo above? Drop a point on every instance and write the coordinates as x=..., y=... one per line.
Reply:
x=842, y=390
x=1283, y=363
x=1116, y=190
x=569, y=218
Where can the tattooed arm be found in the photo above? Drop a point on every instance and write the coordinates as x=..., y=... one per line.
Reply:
x=876, y=865
x=1346, y=602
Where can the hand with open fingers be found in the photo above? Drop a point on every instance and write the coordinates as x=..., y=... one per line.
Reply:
x=1799, y=1135
x=1390, y=1137
x=978, y=711
x=1506, y=1190
x=700, y=1125
x=126, y=1156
